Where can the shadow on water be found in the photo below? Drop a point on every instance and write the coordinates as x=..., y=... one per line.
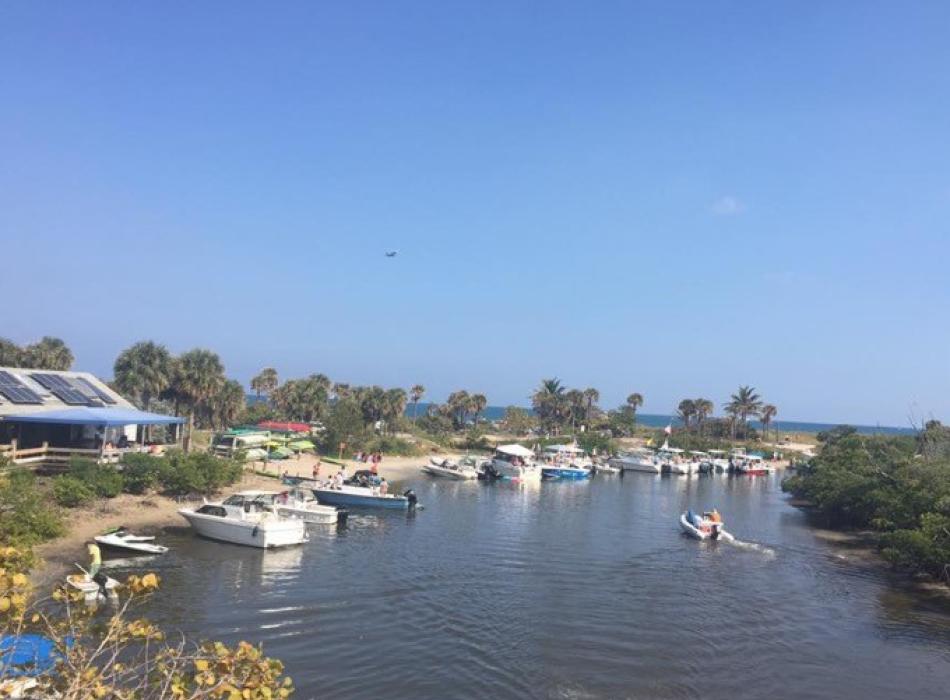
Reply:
x=566, y=590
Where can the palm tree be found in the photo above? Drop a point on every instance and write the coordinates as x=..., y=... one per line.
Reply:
x=227, y=403
x=395, y=406
x=459, y=404
x=477, y=403
x=704, y=409
x=48, y=353
x=574, y=404
x=416, y=393
x=200, y=375
x=342, y=391
x=143, y=371
x=766, y=414
x=634, y=401
x=548, y=402
x=592, y=396
x=744, y=403
x=265, y=382
x=686, y=410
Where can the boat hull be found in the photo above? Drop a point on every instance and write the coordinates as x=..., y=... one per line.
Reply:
x=334, y=497
x=628, y=464
x=117, y=544
x=312, y=514
x=697, y=533
x=266, y=534
x=506, y=470
x=459, y=474
x=565, y=473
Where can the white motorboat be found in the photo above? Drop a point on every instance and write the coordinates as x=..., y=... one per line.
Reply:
x=606, y=468
x=751, y=464
x=450, y=469
x=673, y=460
x=565, y=462
x=295, y=504
x=91, y=590
x=124, y=541
x=638, y=461
x=707, y=526
x=516, y=463
x=246, y=518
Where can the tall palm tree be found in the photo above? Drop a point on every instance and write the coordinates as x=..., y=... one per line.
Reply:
x=592, y=396
x=227, y=403
x=548, y=402
x=704, y=409
x=744, y=403
x=477, y=402
x=342, y=391
x=575, y=403
x=766, y=414
x=143, y=371
x=48, y=353
x=459, y=404
x=200, y=374
x=395, y=406
x=634, y=401
x=416, y=393
x=686, y=410
x=265, y=382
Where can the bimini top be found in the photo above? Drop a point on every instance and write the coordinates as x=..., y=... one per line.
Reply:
x=564, y=449
x=515, y=450
x=93, y=416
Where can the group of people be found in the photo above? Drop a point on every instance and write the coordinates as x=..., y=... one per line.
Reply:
x=374, y=459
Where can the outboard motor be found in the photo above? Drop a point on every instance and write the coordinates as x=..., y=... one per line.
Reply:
x=341, y=517
x=411, y=497
x=716, y=529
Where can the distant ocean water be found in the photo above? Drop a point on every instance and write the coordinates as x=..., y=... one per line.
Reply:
x=658, y=421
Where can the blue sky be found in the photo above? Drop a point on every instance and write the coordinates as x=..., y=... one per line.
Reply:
x=671, y=198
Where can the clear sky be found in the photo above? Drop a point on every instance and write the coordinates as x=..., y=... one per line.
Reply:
x=665, y=197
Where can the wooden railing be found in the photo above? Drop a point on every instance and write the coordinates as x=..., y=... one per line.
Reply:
x=60, y=456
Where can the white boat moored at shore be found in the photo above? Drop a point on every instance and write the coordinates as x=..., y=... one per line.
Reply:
x=516, y=463
x=246, y=518
x=122, y=540
x=448, y=468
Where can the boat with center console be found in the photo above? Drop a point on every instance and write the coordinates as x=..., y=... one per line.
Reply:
x=246, y=518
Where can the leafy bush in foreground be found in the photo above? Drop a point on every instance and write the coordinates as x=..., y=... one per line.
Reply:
x=141, y=472
x=104, y=480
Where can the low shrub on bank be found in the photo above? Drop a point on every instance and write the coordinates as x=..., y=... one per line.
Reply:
x=141, y=473
x=197, y=472
x=71, y=492
x=25, y=515
x=104, y=480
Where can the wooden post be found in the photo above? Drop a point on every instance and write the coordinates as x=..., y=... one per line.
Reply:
x=13, y=449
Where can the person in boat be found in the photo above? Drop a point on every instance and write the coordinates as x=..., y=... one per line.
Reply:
x=338, y=480
x=715, y=517
x=383, y=487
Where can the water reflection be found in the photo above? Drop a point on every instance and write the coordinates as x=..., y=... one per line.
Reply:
x=583, y=589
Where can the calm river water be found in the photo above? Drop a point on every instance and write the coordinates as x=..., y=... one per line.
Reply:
x=567, y=590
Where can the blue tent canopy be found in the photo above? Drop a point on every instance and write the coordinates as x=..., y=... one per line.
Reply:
x=94, y=416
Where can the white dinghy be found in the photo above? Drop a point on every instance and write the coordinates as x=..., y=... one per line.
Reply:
x=92, y=591
x=450, y=469
x=707, y=526
x=125, y=541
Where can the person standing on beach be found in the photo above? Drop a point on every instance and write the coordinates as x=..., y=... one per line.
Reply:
x=316, y=470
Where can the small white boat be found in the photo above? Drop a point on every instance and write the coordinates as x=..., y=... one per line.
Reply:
x=246, y=518
x=701, y=527
x=294, y=504
x=449, y=468
x=91, y=590
x=124, y=541
x=606, y=468
x=638, y=461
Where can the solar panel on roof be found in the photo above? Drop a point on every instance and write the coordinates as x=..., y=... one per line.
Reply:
x=95, y=390
x=70, y=396
x=7, y=379
x=47, y=381
x=20, y=394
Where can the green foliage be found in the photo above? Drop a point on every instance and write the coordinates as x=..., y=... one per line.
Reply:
x=882, y=482
x=25, y=515
x=389, y=445
x=104, y=480
x=518, y=421
x=196, y=472
x=141, y=472
x=591, y=441
x=71, y=492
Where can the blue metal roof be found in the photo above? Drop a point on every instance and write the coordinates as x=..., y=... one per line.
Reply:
x=94, y=416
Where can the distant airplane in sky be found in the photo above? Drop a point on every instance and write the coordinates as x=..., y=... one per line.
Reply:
x=391, y=253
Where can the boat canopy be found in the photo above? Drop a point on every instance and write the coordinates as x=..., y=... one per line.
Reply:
x=564, y=449
x=515, y=451
x=284, y=427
